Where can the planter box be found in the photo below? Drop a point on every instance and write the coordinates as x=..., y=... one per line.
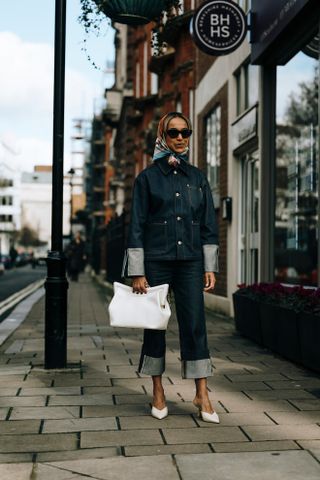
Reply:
x=288, y=341
x=268, y=320
x=280, y=331
x=309, y=329
x=246, y=315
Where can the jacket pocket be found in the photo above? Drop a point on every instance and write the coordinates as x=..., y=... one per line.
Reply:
x=195, y=195
x=196, y=241
x=156, y=237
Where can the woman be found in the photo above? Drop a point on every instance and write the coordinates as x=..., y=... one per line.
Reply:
x=173, y=238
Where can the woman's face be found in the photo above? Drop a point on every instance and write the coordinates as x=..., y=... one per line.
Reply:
x=179, y=144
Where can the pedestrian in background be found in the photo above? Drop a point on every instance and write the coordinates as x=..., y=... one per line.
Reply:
x=75, y=254
x=173, y=238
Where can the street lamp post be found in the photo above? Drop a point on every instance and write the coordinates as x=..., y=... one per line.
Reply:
x=71, y=173
x=56, y=284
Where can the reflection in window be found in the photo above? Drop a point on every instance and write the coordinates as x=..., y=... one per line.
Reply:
x=247, y=85
x=297, y=172
x=213, y=151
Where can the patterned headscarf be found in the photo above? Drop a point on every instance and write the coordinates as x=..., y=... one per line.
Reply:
x=161, y=148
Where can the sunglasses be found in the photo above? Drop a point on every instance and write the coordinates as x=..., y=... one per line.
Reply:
x=174, y=132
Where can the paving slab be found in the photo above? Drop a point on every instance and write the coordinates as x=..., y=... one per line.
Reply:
x=283, y=432
x=309, y=444
x=293, y=465
x=19, y=427
x=47, y=472
x=22, y=401
x=172, y=421
x=277, y=445
x=38, y=443
x=79, y=425
x=30, y=392
x=95, y=399
x=3, y=413
x=216, y=433
x=25, y=413
x=83, y=382
x=80, y=454
x=137, y=389
x=16, y=458
x=239, y=419
x=258, y=405
x=157, y=468
x=8, y=392
x=115, y=410
x=280, y=394
x=166, y=449
x=120, y=438
x=296, y=418
x=20, y=471
x=307, y=404
x=137, y=399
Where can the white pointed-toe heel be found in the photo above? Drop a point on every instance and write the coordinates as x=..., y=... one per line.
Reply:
x=209, y=417
x=159, y=414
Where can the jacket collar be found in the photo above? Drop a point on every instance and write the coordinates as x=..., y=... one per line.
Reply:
x=166, y=168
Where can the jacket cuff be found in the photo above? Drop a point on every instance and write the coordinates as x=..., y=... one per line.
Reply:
x=135, y=262
x=210, y=256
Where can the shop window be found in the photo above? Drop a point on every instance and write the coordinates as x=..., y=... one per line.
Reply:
x=297, y=172
x=247, y=87
x=213, y=151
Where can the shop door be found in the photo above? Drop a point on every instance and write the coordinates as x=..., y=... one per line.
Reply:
x=249, y=238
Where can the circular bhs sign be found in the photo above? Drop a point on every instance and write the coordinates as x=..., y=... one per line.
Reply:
x=218, y=27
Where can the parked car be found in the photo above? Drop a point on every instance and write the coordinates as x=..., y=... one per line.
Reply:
x=6, y=261
x=22, y=259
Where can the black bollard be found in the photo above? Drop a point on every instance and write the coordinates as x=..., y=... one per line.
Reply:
x=56, y=287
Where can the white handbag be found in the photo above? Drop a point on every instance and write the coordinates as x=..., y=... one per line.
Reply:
x=135, y=310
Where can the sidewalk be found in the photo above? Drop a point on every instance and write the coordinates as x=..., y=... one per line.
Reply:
x=93, y=419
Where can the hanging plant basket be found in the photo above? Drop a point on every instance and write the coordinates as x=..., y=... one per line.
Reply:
x=133, y=12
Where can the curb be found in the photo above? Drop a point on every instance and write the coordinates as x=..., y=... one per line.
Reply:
x=11, y=301
x=19, y=314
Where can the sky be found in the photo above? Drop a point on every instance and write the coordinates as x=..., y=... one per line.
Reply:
x=299, y=69
x=26, y=80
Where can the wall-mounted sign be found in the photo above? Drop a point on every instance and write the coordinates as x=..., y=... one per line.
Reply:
x=218, y=27
x=245, y=128
x=277, y=24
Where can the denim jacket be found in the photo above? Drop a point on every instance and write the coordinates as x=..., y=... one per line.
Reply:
x=172, y=218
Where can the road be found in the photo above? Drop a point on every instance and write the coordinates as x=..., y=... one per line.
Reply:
x=18, y=278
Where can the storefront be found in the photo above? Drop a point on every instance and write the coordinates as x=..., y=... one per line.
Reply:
x=286, y=44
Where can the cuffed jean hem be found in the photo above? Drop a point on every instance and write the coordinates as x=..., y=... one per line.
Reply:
x=196, y=368
x=152, y=365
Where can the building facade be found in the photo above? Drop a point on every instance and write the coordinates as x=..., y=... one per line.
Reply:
x=35, y=197
x=256, y=134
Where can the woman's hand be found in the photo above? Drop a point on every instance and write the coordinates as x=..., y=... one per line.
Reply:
x=209, y=281
x=140, y=284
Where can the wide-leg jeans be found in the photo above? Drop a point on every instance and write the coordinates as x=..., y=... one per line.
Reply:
x=185, y=278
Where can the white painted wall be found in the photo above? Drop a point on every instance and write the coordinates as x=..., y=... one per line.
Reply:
x=222, y=71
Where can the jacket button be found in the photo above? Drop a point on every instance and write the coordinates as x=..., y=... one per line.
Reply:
x=179, y=242
x=177, y=194
x=175, y=172
x=178, y=218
